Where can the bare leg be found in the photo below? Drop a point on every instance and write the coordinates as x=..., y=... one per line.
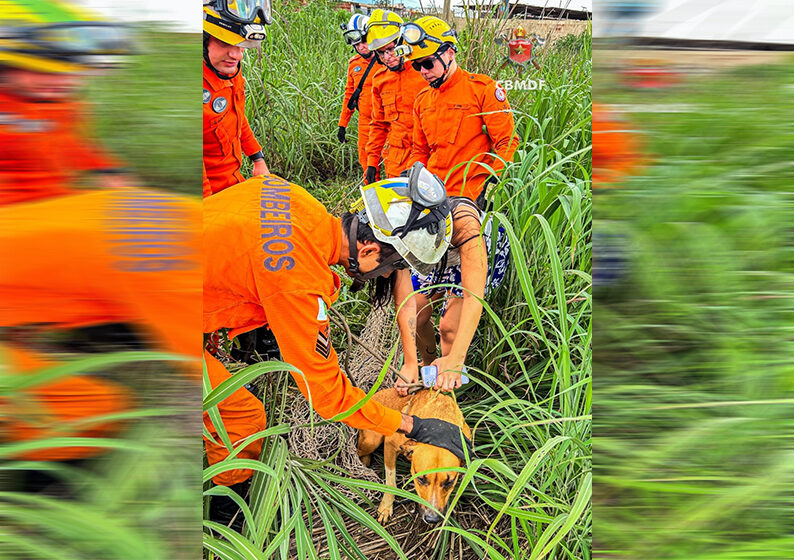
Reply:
x=425, y=333
x=448, y=326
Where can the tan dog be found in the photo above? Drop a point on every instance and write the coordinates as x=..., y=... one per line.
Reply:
x=436, y=487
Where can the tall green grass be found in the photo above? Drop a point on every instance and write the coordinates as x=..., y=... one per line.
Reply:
x=145, y=113
x=527, y=492
x=694, y=340
x=137, y=500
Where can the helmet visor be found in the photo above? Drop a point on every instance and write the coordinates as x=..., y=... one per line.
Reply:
x=246, y=11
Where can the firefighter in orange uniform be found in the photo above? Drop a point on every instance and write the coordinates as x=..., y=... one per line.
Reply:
x=45, y=148
x=280, y=275
x=118, y=255
x=358, y=88
x=449, y=116
x=228, y=30
x=124, y=255
x=617, y=153
x=394, y=89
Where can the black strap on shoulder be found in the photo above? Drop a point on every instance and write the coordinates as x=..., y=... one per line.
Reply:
x=352, y=103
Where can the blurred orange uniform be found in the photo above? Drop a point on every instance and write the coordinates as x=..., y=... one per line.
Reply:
x=268, y=249
x=227, y=134
x=49, y=407
x=356, y=68
x=616, y=151
x=448, y=130
x=393, y=95
x=112, y=256
x=44, y=148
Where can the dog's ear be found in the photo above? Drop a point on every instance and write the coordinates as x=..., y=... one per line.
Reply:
x=407, y=448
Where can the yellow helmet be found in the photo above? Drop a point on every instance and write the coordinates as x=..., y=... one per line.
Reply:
x=55, y=36
x=425, y=36
x=383, y=28
x=237, y=22
x=520, y=32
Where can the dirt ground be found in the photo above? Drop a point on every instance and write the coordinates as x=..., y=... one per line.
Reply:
x=550, y=30
x=711, y=59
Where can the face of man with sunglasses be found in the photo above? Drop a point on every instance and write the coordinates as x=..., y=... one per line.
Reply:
x=433, y=70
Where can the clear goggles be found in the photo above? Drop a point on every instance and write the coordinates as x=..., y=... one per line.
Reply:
x=244, y=11
x=415, y=35
x=425, y=187
x=353, y=36
x=79, y=38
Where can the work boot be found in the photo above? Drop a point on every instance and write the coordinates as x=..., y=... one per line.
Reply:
x=260, y=341
x=223, y=509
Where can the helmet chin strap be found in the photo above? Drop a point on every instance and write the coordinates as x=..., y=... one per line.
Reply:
x=435, y=84
x=361, y=278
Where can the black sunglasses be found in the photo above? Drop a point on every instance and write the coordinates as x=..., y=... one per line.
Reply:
x=427, y=63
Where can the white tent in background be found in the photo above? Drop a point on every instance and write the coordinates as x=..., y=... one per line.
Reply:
x=729, y=21
x=762, y=21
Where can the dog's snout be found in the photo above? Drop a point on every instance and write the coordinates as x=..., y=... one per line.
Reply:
x=430, y=517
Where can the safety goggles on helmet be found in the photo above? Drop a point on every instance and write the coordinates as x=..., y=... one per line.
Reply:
x=68, y=39
x=353, y=36
x=243, y=11
x=413, y=35
x=412, y=214
x=427, y=193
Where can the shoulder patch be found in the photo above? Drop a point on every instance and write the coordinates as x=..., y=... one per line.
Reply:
x=357, y=69
x=499, y=93
x=219, y=104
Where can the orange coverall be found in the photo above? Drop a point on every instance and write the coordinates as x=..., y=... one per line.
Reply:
x=118, y=255
x=616, y=153
x=44, y=149
x=227, y=134
x=356, y=68
x=268, y=247
x=448, y=130
x=393, y=95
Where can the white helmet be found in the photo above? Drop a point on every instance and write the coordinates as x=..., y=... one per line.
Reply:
x=412, y=215
x=355, y=31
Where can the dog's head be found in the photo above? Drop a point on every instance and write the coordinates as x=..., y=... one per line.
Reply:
x=435, y=487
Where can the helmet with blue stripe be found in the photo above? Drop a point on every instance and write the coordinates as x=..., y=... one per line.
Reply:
x=355, y=31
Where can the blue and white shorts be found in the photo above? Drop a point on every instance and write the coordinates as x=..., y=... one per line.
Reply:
x=498, y=261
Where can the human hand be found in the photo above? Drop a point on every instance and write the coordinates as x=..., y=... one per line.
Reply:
x=449, y=373
x=260, y=168
x=409, y=372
